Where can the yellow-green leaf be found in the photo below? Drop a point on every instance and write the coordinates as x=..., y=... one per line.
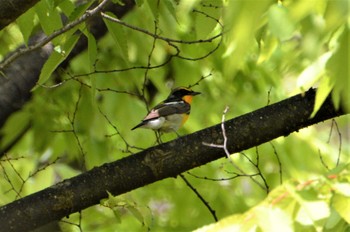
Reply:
x=26, y=24
x=322, y=93
x=341, y=204
x=280, y=22
x=119, y=36
x=57, y=58
x=310, y=212
x=273, y=219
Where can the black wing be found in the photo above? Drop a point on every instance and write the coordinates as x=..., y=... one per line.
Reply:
x=168, y=108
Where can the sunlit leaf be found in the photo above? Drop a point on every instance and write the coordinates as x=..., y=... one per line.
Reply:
x=310, y=75
x=232, y=223
x=280, y=22
x=323, y=91
x=342, y=188
x=333, y=220
x=273, y=219
x=310, y=212
x=240, y=36
x=341, y=204
x=338, y=68
x=267, y=47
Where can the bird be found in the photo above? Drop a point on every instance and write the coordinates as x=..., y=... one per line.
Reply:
x=171, y=114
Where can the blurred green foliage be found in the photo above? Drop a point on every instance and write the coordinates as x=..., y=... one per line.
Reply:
x=260, y=52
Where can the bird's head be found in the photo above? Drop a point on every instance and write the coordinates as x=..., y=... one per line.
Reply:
x=182, y=93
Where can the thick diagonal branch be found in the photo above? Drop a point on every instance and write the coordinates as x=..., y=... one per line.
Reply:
x=10, y=10
x=163, y=161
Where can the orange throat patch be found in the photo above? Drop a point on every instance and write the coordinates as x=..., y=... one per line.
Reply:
x=187, y=98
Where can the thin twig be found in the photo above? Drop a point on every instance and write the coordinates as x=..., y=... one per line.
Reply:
x=200, y=197
x=322, y=160
x=340, y=139
x=73, y=121
x=224, y=146
x=169, y=40
x=223, y=178
x=127, y=145
x=47, y=39
x=279, y=162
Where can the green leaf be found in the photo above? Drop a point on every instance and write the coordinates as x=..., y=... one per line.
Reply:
x=117, y=216
x=280, y=22
x=339, y=71
x=139, y=2
x=50, y=19
x=333, y=220
x=26, y=24
x=311, y=211
x=84, y=119
x=205, y=25
x=310, y=75
x=80, y=10
x=231, y=223
x=337, y=13
x=14, y=125
x=341, y=204
x=154, y=6
x=51, y=4
x=273, y=219
x=56, y=58
x=92, y=50
x=119, y=36
x=342, y=188
x=112, y=200
x=322, y=93
x=169, y=5
x=136, y=213
x=240, y=38
x=67, y=7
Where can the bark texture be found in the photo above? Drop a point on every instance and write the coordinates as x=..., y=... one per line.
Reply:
x=163, y=161
x=10, y=10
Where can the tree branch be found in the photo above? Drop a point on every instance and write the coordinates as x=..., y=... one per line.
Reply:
x=18, y=78
x=45, y=40
x=10, y=10
x=163, y=161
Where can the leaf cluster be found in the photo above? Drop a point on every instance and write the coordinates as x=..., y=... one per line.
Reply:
x=241, y=54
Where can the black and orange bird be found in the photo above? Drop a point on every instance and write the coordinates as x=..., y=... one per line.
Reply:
x=172, y=113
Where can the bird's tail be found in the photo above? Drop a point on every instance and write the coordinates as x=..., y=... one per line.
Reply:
x=138, y=125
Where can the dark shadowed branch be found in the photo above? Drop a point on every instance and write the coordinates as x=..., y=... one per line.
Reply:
x=10, y=10
x=163, y=161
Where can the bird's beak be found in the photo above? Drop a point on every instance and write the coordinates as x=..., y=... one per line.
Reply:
x=195, y=93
